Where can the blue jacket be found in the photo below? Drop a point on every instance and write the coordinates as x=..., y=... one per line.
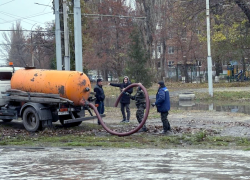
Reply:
x=162, y=100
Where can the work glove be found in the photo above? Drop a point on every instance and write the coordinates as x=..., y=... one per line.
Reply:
x=153, y=104
x=127, y=93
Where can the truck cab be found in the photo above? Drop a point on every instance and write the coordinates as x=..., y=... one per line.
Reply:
x=5, y=77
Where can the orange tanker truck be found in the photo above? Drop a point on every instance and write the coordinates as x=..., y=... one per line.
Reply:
x=41, y=97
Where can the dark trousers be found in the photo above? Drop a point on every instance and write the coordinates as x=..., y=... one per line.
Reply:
x=100, y=107
x=140, y=114
x=165, y=123
x=123, y=107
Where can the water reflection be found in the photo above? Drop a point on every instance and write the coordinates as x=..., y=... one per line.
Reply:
x=192, y=105
x=186, y=103
x=216, y=106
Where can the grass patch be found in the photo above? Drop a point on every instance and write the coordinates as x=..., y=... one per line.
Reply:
x=223, y=96
x=139, y=140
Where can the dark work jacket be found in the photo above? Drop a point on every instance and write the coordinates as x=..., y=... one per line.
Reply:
x=162, y=100
x=125, y=98
x=139, y=98
x=100, y=96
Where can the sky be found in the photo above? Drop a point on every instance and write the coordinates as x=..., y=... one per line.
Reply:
x=26, y=11
x=29, y=13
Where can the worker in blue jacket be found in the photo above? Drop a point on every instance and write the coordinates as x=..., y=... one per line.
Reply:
x=163, y=105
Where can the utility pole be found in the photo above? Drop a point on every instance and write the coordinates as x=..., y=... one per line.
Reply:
x=66, y=37
x=78, y=36
x=209, y=58
x=31, y=42
x=58, y=37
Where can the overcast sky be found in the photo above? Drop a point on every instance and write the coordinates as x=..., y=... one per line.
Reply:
x=26, y=11
x=29, y=13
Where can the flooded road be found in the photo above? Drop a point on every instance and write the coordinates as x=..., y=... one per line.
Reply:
x=81, y=163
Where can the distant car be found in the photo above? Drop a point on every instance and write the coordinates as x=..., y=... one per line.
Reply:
x=93, y=78
x=113, y=79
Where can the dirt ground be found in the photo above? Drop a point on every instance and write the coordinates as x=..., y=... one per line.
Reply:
x=213, y=122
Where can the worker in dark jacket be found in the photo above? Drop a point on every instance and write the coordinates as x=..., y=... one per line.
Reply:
x=100, y=96
x=140, y=102
x=125, y=99
x=163, y=105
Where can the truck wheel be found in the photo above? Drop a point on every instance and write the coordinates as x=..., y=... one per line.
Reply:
x=31, y=120
x=62, y=118
x=7, y=120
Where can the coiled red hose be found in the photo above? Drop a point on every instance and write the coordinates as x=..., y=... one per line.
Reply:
x=116, y=103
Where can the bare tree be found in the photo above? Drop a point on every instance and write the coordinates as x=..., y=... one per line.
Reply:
x=15, y=46
x=42, y=46
x=110, y=35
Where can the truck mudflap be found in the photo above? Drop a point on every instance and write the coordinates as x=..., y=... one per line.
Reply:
x=68, y=121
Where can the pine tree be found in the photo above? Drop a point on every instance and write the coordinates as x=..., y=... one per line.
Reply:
x=137, y=64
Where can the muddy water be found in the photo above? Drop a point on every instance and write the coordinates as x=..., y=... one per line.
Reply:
x=192, y=105
x=79, y=163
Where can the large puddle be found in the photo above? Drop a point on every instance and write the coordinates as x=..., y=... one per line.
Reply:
x=80, y=163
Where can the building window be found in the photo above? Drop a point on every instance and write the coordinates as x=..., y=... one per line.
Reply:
x=170, y=50
x=159, y=64
x=198, y=31
x=184, y=34
x=224, y=63
x=198, y=63
x=159, y=49
x=158, y=26
x=171, y=64
x=170, y=35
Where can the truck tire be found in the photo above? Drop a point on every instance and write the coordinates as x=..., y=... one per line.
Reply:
x=7, y=120
x=62, y=118
x=31, y=120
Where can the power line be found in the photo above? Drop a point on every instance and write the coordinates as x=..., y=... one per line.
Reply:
x=22, y=18
x=47, y=5
x=25, y=44
x=26, y=30
x=9, y=15
x=110, y=15
x=6, y=2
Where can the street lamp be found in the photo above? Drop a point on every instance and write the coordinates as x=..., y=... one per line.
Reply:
x=42, y=4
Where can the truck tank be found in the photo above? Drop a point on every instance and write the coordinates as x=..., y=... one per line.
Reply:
x=72, y=85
